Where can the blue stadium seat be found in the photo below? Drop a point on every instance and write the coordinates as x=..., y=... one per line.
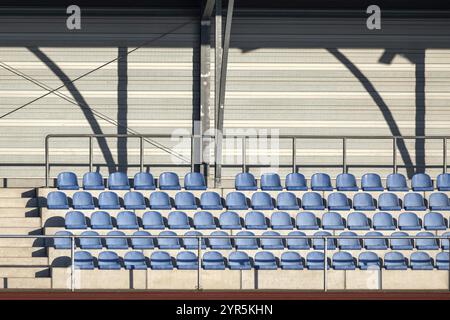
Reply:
x=116, y=243
x=236, y=201
x=321, y=182
x=127, y=220
x=57, y=200
x=338, y=201
x=101, y=220
x=343, y=261
x=297, y=243
x=194, y=181
x=211, y=200
x=67, y=181
x=134, y=260
x=281, y=221
x=83, y=200
x=118, y=181
x=169, y=181
x=142, y=243
x=369, y=261
x=144, y=181
x=420, y=261
x=108, y=200
x=395, y=261
x=443, y=182
x=185, y=200
x=434, y=221
x=445, y=243
x=316, y=261
x=168, y=243
x=306, y=221
x=271, y=181
x=357, y=221
x=371, y=182
x=383, y=221
x=396, y=182
x=414, y=201
x=108, y=260
x=187, y=260
x=443, y=261
x=296, y=182
x=219, y=243
x=399, y=243
x=363, y=201
x=375, y=244
x=312, y=201
x=388, y=201
x=178, y=220
x=153, y=220
x=409, y=221
x=439, y=201
x=239, y=260
x=192, y=243
x=204, y=220
x=62, y=243
x=83, y=260
x=319, y=244
x=426, y=244
x=287, y=201
x=291, y=260
x=255, y=220
x=332, y=221
x=161, y=260
x=213, y=260
x=272, y=243
x=346, y=182
x=134, y=200
x=93, y=181
x=246, y=243
x=265, y=260
x=75, y=220
x=160, y=200
x=90, y=243
x=230, y=220
x=421, y=182
x=349, y=244
x=245, y=181
x=262, y=201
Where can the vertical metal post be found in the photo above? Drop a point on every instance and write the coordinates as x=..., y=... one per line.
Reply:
x=325, y=265
x=344, y=155
x=199, y=263
x=192, y=154
x=394, y=154
x=141, y=153
x=91, y=154
x=294, y=155
x=47, y=164
x=244, y=154
x=445, y=154
x=72, y=265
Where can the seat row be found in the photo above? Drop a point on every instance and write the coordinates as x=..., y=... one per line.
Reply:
x=260, y=200
x=238, y=260
x=219, y=240
x=257, y=220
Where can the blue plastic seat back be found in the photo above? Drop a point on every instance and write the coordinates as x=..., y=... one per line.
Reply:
x=255, y=220
x=434, y=221
x=83, y=260
x=425, y=243
x=321, y=182
x=178, y=220
x=204, y=220
x=363, y=201
x=312, y=201
x=414, y=201
x=152, y=220
x=187, y=260
x=83, y=200
x=93, y=181
x=306, y=221
x=101, y=220
x=62, y=243
x=443, y=182
x=319, y=244
x=161, y=260
x=375, y=243
x=396, y=182
x=192, y=243
x=371, y=182
x=395, y=260
x=118, y=242
x=168, y=243
x=287, y=201
x=420, y=261
x=262, y=201
x=194, y=181
x=246, y=243
x=135, y=260
x=388, y=201
x=230, y=220
x=443, y=261
x=108, y=260
x=219, y=243
x=272, y=243
x=90, y=243
x=75, y=220
x=265, y=260
x=383, y=221
x=409, y=221
x=57, y=200
x=127, y=220
x=281, y=221
x=271, y=181
x=245, y=181
x=239, y=260
x=338, y=201
x=213, y=260
x=400, y=243
x=349, y=243
x=142, y=243
x=439, y=201
x=421, y=182
x=67, y=181
x=445, y=243
x=297, y=243
x=332, y=221
x=108, y=200
x=160, y=200
x=185, y=200
x=144, y=181
x=346, y=182
x=118, y=181
x=369, y=260
x=343, y=261
x=236, y=201
x=315, y=260
x=211, y=200
x=357, y=221
x=291, y=260
x=169, y=181
x=296, y=182
x=134, y=200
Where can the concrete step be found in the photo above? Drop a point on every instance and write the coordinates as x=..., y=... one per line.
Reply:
x=28, y=262
x=20, y=222
x=17, y=192
x=18, y=203
x=21, y=242
x=22, y=252
x=20, y=230
x=19, y=212
x=27, y=283
x=24, y=272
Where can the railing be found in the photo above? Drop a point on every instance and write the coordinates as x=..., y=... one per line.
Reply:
x=200, y=239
